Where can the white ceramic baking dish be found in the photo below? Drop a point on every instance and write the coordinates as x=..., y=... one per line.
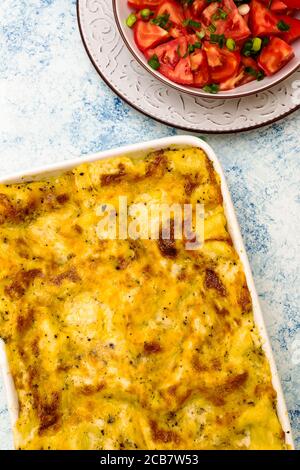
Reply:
x=234, y=229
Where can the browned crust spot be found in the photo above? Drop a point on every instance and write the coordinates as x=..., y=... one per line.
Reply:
x=113, y=178
x=24, y=322
x=21, y=282
x=91, y=389
x=70, y=275
x=152, y=347
x=212, y=281
x=219, y=393
x=78, y=229
x=48, y=412
x=162, y=435
x=167, y=247
x=158, y=164
x=190, y=184
x=62, y=198
x=245, y=299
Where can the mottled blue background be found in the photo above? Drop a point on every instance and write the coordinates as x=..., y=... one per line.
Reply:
x=54, y=106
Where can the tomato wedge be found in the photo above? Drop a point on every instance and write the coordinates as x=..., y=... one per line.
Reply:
x=173, y=9
x=293, y=4
x=233, y=26
x=223, y=63
x=263, y=21
x=169, y=53
x=139, y=4
x=277, y=6
x=198, y=7
x=275, y=55
x=233, y=81
x=148, y=35
x=181, y=74
x=200, y=69
x=294, y=31
x=250, y=63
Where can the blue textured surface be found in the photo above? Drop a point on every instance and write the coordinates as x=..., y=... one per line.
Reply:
x=53, y=106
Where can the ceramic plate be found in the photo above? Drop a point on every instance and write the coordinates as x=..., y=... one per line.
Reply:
x=146, y=93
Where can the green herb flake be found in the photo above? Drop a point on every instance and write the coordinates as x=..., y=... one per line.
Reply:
x=131, y=20
x=213, y=88
x=218, y=39
x=282, y=26
x=146, y=13
x=230, y=44
x=161, y=20
x=212, y=28
x=192, y=24
x=200, y=34
x=154, y=62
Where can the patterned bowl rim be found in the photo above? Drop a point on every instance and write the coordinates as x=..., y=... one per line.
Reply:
x=164, y=121
x=190, y=91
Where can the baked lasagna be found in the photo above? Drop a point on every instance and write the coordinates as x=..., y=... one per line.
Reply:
x=130, y=343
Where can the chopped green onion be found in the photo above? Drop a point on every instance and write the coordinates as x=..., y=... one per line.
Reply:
x=192, y=23
x=146, y=13
x=251, y=71
x=256, y=45
x=200, y=34
x=217, y=39
x=161, y=20
x=222, y=13
x=154, y=62
x=192, y=47
x=230, y=44
x=265, y=41
x=258, y=74
x=213, y=88
x=282, y=26
x=219, y=15
x=212, y=28
x=131, y=20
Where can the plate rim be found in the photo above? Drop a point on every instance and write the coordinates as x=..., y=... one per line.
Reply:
x=162, y=121
x=190, y=91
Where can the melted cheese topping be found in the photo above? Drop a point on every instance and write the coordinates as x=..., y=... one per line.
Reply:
x=123, y=344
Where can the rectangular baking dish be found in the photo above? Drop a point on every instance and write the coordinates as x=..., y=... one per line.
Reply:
x=138, y=150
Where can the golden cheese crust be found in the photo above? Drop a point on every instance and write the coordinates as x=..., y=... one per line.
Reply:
x=129, y=344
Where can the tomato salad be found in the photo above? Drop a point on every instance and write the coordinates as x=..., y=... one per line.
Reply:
x=215, y=44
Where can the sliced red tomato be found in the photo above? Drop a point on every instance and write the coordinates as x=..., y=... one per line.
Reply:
x=176, y=31
x=223, y=63
x=208, y=13
x=248, y=77
x=200, y=69
x=233, y=81
x=181, y=74
x=233, y=26
x=275, y=55
x=139, y=4
x=198, y=7
x=173, y=9
x=275, y=5
x=294, y=31
x=278, y=6
x=148, y=35
x=293, y=4
x=169, y=53
x=263, y=22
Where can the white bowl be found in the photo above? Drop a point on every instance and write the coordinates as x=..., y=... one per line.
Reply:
x=121, y=12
